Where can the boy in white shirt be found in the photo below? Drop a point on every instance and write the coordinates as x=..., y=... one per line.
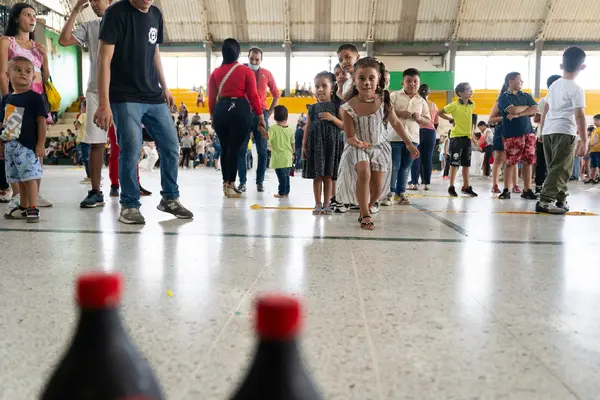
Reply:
x=563, y=118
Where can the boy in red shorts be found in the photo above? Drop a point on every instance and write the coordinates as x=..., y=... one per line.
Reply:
x=517, y=108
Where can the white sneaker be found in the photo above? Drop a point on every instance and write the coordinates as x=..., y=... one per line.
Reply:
x=426, y=187
x=15, y=201
x=42, y=202
x=6, y=195
x=375, y=208
x=86, y=181
x=388, y=200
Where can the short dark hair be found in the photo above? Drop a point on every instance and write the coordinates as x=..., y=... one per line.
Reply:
x=411, y=72
x=572, y=59
x=597, y=116
x=482, y=123
x=337, y=66
x=281, y=113
x=255, y=50
x=591, y=128
x=461, y=87
x=347, y=46
x=551, y=80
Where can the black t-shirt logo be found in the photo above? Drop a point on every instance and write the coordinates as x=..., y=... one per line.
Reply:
x=152, y=35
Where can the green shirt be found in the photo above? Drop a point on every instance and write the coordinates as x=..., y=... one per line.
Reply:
x=281, y=139
x=463, y=118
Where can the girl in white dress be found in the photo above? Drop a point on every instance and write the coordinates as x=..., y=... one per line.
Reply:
x=366, y=114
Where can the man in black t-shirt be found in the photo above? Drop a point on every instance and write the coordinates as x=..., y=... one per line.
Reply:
x=132, y=88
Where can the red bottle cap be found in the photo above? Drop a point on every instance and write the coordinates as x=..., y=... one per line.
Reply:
x=278, y=317
x=99, y=290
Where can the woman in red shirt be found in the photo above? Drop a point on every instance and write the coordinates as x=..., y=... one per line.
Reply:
x=231, y=94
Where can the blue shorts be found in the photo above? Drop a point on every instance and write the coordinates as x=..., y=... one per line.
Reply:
x=595, y=160
x=498, y=144
x=22, y=164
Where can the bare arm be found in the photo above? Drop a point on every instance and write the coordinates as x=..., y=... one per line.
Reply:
x=105, y=55
x=41, y=140
x=399, y=128
x=543, y=119
x=443, y=115
x=581, y=124
x=161, y=78
x=66, y=38
x=339, y=121
x=4, y=43
x=495, y=116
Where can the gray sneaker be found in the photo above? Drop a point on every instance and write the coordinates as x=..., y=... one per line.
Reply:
x=174, y=207
x=242, y=188
x=131, y=216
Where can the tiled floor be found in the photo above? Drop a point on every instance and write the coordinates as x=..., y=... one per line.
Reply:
x=449, y=299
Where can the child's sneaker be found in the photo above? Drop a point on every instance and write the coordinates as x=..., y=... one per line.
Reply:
x=563, y=204
x=33, y=215
x=388, y=200
x=16, y=213
x=375, y=208
x=546, y=208
x=15, y=201
x=114, y=191
x=5, y=195
x=452, y=191
x=43, y=202
x=469, y=191
x=505, y=195
x=403, y=201
x=529, y=195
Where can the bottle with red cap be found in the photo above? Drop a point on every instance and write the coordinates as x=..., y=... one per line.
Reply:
x=102, y=363
x=276, y=371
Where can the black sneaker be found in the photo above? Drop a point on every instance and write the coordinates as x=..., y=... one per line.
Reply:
x=260, y=188
x=94, y=199
x=32, y=215
x=538, y=189
x=505, y=195
x=334, y=203
x=114, y=191
x=174, y=207
x=242, y=188
x=452, y=191
x=469, y=191
x=563, y=204
x=545, y=208
x=144, y=192
x=529, y=195
x=342, y=208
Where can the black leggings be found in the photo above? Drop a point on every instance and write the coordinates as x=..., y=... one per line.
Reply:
x=488, y=150
x=232, y=121
x=3, y=183
x=447, y=167
x=185, y=157
x=540, y=166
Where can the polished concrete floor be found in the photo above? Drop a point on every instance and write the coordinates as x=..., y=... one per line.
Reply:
x=446, y=299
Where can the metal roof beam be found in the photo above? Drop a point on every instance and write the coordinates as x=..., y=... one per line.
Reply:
x=204, y=21
x=287, y=27
x=548, y=16
x=372, y=17
x=322, y=32
x=460, y=13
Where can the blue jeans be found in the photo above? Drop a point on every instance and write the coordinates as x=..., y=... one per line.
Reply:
x=84, y=151
x=426, y=145
x=156, y=118
x=298, y=158
x=283, y=175
x=401, y=163
x=261, y=149
x=576, y=167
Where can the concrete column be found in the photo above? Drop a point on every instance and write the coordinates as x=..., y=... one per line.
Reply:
x=452, y=46
x=288, y=68
x=209, y=56
x=539, y=47
x=370, y=52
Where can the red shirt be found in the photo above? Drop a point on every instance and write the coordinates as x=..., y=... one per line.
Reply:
x=241, y=83
x=264, y=79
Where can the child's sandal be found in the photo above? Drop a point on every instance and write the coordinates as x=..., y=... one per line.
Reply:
x=318, y=210
x=369, y=226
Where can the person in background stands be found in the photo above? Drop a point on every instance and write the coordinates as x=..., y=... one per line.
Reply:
x=595, y=152
x=132, y=85
x=298, y=136
x=186, y=149
x=231, y=92
x=563, y=118
x=486, y=146
x=19, y=41
x=84, y=147
x=281, y=139
x=264, y=80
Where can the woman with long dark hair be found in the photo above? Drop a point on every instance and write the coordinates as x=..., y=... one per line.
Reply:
x=18, y=40
x=232, y=96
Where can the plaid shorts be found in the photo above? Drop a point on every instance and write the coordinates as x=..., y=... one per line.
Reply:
x=22, y=164
x=520, y=148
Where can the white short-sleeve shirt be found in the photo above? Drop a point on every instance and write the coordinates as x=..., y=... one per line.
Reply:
x=564, y=96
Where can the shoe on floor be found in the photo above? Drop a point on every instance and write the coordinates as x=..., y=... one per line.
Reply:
x=375, y=208
x=114, y=191
x=495, y=189
x=318, y=210
x=546, y=208
x=388, y=200
x=6, y=195
x=131, y=216
x=452, y=191
x=175, y=207
x=413, y=187
x=529, y=195
x=144, y=192
x=43, y=202
x=242, y=188
x=505, y=195
x=402, y=200
x=94, y=199
x=563, y=204
x=354, y=207
x=468, y=191
x=86, y=181
x=341, y=208
x=538, y=189
x=260, y=188
x=446, y=178
x=232, y=192
x=15, y=201
x=16, y=213
x=426, y=187
x=32, y=215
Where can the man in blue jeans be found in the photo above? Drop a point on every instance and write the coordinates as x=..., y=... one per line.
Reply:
x=264, y=81
x=129, y=74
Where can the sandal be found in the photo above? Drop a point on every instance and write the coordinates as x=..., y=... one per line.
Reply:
x=366, y=225
x=318, y=210
x=327, y=210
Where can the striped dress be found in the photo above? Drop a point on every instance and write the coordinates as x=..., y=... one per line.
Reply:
x=371, y=129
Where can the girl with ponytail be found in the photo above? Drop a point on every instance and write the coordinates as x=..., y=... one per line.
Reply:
x=366, y=114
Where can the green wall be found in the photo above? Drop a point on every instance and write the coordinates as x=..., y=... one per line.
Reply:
x=437, y=80
x=64, y=69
